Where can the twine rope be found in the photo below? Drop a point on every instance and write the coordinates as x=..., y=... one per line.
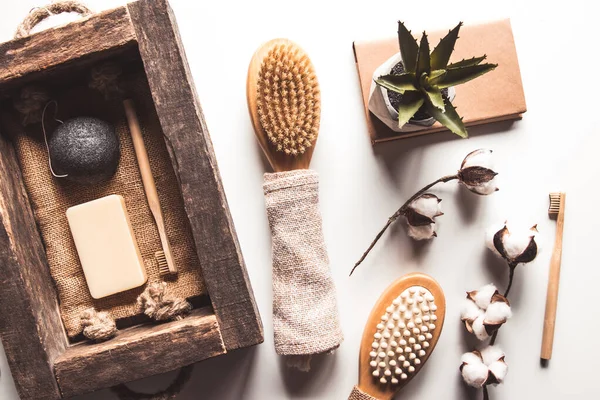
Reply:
x=98, y=326
x=38, y=14
x=158, y=304
x=170, y=393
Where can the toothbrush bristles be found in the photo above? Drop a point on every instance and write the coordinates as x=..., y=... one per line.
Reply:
x=161, y=259
x=554, y=203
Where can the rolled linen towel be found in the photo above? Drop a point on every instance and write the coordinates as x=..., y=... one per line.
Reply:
x=305, y=314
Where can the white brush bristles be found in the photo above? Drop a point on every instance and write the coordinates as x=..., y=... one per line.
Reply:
x=403, y=336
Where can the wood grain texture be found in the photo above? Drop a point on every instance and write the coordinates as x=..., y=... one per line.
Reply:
x=553, y=284
x=194, y=162
x=30, y=326
x=139, y=352
x=166, y=263
x=74, y=45
x=366, y=382
x=278, y=160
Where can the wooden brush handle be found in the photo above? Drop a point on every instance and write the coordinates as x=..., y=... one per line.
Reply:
x=553, y=281
x=147, y=177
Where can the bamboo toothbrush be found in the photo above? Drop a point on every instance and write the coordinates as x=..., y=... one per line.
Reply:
x=556, y=209
x=400, y=335
x=284, y=103
x=164, y=257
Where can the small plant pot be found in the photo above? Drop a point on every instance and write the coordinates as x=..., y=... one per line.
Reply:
x=381, y=106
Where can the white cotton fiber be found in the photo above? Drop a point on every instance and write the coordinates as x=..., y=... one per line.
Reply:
x=499, y=369
x=516, y=242
x=470, y=310
x=421, y=232
x=428, y=206
x=475, y=374
x=485, y=188
x=470, y=358
x=484, y=295
x=480, y=158
x=479, y=328
x=497, y=312
x=489, y=238
x=491, y=354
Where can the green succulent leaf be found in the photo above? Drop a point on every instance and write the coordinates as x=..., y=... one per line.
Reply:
x=435, y=98
x=456, y=76
x=435, y=76
x=468, y=62
x=409, y=105
x=408, y=48
x=397, y=83
x=440, y=56
x=423, y=60
x=449, y=118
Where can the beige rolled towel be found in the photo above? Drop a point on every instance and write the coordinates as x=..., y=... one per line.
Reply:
x=305, y=314
x=358, y=394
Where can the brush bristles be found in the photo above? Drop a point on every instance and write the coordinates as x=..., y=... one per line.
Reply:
x=161, y=259
x=554, y=203
x=288, y=99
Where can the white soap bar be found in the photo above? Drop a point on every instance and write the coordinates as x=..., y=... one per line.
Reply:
x=106, y=245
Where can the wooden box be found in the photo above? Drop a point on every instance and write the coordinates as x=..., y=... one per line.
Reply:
x=45, y=364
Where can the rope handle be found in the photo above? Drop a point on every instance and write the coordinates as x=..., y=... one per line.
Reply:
x=170, y=393
x=38, y=14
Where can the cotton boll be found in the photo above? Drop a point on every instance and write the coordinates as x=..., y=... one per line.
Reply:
x=471, y=358
x=474, y=371
x=470, y=311
x=489, y=238
x=491, y=354
x=421, y=232
x=428, y=205
x=483, y=297
x=479, y=158
x=479, y=328
x=499, y=369
x=477, y=173
x=475, y=375
x=516, y=243
x=484, y=368
x=485, y=188
x=497, y=312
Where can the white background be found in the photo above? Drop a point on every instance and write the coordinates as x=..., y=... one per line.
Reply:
x=553, y=148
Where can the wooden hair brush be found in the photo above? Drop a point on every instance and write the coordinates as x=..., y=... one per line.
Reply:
x=400, y=335
x=284, y=103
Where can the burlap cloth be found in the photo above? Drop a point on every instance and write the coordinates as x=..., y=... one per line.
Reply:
x=305, y=315
x=50, y=198
x=358, y=394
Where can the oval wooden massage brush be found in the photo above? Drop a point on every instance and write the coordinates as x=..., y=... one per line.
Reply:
x=400, y=335
x=284, y=103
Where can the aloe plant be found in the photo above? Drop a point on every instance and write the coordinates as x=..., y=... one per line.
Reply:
x=427, y=74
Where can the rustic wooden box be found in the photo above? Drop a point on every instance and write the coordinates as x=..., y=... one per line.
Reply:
x=44, y=364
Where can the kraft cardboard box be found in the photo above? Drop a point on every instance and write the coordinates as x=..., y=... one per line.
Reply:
x=493, y=97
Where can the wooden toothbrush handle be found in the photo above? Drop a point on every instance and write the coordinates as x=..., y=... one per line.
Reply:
x=147, y=177
x=553, y=282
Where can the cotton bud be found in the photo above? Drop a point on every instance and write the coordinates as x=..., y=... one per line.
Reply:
x=484, y=311
x=485, y=367
x=477, y=174
x=420, y=215
x=515, y=244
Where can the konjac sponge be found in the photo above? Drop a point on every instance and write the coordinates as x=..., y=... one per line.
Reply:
x=85, y=149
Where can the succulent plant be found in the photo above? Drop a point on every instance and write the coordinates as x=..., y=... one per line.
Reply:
x=427, y=74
